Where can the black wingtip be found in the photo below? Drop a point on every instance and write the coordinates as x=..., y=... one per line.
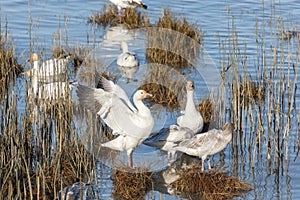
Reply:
x=144, y=6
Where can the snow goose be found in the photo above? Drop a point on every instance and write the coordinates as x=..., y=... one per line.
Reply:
x=122, y=4
x=48, y=91
x=50, y=67
x=132, y=126
x=127, y=59
x=207, y=144
x=191, y=117
x=167, y=138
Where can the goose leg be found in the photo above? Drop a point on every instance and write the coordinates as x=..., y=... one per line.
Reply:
x=202, y=164
x=129, y=159
x=208, y=162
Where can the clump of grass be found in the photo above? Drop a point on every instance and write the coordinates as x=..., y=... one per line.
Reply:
x=210, y=185
x=160, y=83
x=167, y=45
x=252, y=91
x=9, y=67
x=131, y=185
x=162, y=95
x=131, y=18
x=205, y=108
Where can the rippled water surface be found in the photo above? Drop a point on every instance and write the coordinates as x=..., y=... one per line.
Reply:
x=215, y=18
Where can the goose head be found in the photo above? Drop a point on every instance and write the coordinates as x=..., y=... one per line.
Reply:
x=190, y=86
x=141, y=94
x=34, y=57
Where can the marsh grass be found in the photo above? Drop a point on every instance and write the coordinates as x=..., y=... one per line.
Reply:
x=130, y=17
x=209, y=185
x=9, y=67
x=159, y=81
x=205, y=107
x=131, y=185
x=166, y=47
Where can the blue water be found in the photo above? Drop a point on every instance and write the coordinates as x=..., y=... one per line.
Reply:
x=46, y=18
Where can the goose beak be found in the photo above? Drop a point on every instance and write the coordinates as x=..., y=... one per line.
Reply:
x=147, y=95
x=27, y=73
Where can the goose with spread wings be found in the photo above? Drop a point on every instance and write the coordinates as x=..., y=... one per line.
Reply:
x=132, y=123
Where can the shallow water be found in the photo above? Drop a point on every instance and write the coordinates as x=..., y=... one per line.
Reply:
x=271, y=179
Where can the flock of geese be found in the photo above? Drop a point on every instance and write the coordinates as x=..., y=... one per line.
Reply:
x=132, y=122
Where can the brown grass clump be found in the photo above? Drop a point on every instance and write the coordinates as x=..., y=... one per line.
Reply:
x=166, y=90
x=175, y=42
x=209, y=185
x=205, y=107
x=252, y=91
x=131, y=185
x=130, y=17
x=9, y=67
x=161, y=95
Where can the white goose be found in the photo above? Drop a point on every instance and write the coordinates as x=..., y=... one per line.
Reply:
x=167, y=138
x=48, y=91
x=207, y=144
x=50, y=67
x=191, y=117
x=127, y=59
x=132, y=126
x=122, y=4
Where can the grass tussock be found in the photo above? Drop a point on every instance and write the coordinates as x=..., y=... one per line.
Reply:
x=161, y=95
x=252, y=91
x=9, y=67
x=167, y=91
x=210, y=185
x=131, y=185
x=173, y=41
x=205, y=108
x=130, y=17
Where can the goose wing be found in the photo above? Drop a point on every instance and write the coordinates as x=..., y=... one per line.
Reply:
x=113, y=110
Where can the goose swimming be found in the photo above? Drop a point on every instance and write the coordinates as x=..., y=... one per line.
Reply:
x=50, y=67
x=127, y=59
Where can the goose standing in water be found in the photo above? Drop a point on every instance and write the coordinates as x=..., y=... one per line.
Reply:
x=191, y=117
x=133, y=126
x=52, y=67
x=167, y=138
x=123, y=4
x=127, y=59
x=207, y=144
